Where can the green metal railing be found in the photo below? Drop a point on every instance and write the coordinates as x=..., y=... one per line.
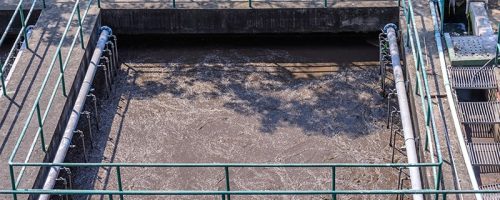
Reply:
x=497, y=53
x=19, y=10
x=412, y=40
x=334, y=167
x=440, y=4
x=36, y=108
x=432, y=143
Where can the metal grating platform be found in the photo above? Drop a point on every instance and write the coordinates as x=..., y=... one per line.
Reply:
x=470, y=50
x=479, y=112
x=484, y=154
x=480, y=130
x=473, y=78
x=491, y=187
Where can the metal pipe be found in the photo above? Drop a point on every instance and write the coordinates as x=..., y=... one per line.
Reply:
x=75, y=114
x=406, y=122
x=451, y=103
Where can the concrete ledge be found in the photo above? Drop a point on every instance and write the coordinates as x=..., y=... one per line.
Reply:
x=231, y=21
x=243, y=4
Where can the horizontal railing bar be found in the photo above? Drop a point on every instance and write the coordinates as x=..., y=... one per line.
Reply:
x=44, y=83
x=28, y=16
x=59, y=78
x=312, y=165
x=30, y=151
x=4, y=35
x=244, y=192
x=21, y=32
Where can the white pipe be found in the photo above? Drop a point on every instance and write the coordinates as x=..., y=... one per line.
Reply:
x=75, y=114
x=404, y=108
x=453, y=110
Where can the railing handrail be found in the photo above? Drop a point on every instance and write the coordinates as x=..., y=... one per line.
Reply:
x=227, y=166
x=57, y=54
x=36, y=104
x=240, y=165
x=412, y=39
x=243, y=192
x=24, y=21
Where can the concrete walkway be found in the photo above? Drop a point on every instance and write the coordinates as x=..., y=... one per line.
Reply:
x=26, y=82
x=457, y=178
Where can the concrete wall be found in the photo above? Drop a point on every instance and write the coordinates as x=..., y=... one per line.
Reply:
x=227, y=21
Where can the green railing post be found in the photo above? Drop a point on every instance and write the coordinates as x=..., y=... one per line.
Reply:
x=21, y=15
x=99, y=3
x=12, y=181
x=40, y=126
x=250, y=3
x=441, y=10
x=119, y=179
x=43, y=2
x=80, y=26
x=110, y=197
x=429, y=110
x=226, y=172
x=498, y=47
x=408, y=18
x=4, y=90
x=438, y=179
x=173, y=3
x=334, y=174
x=62, y=72
x=326, y=3
x=426, y=144
x=497, y=54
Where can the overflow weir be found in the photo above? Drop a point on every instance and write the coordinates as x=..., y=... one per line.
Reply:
x=226, y=99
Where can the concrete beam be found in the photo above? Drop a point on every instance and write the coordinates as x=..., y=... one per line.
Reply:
x=234, y=21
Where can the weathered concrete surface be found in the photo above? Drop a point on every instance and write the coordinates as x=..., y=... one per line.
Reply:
x=289, y=18
x=26, y=82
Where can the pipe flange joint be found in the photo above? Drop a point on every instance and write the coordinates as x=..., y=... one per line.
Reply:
x=107, y=28
x=30, y=27
x=390, y=25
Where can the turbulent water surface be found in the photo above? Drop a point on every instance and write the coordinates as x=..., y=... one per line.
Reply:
x=244, y=100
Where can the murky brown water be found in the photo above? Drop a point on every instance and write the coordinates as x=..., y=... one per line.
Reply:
x=278, y=100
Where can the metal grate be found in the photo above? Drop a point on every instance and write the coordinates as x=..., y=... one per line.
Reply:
x=494, y=196
x=480, y=130
x=473, y=78
x=480, y=112
x=484, y=154
x=470, y=50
